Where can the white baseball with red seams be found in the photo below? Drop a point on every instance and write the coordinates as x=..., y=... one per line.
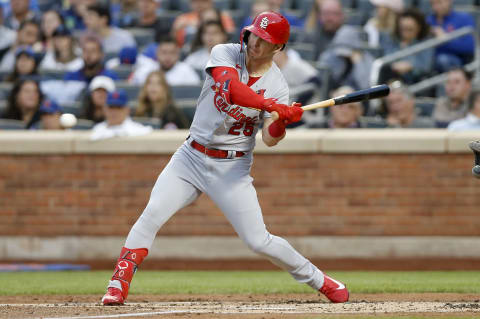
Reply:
x=227, y=181
x=68, y=120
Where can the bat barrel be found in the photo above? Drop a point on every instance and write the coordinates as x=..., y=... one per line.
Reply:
x=362, y=95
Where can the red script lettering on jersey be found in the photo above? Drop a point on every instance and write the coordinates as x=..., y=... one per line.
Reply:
x=223, y=107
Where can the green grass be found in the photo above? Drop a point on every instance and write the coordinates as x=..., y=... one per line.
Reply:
x=236, y=282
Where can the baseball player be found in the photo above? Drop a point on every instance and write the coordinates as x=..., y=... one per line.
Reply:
x=242, y=90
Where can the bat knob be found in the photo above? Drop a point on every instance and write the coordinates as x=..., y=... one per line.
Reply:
x=275, y=116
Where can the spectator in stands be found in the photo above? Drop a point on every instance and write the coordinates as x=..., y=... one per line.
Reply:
x=275, y=6
x=24, y=102
x=125, y=12
x=8, y=36
x=28, y=35
x=185, y=25
x=455, y=104
x=97, y=20
x=26, y=64
x=168, y=57
x=75, y=13
x=212, y=14
x=258, y=7
x=117, y=119
x=209, y=35
x=149, y=52
x=20, y=12
x=400, y=109
x=126, y=56
x=51, y=20
x=349, y=62
x=343, y=115
x=325, y=19
x=155, y=100
x=444, y=20
x=411, y=28
x=74, y=83
x=297, y=72
x=383, y=23
x=96, y=99
x=472, y=120
x=50, y=113
x=62, y=55
x=92, y=56
x=147, y=16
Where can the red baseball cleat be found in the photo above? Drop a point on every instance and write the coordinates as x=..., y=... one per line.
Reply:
x=334, y=290
x=113, y=297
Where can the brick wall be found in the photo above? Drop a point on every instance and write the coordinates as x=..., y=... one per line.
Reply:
x=301, y=194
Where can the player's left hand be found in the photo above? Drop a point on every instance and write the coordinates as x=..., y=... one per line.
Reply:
x=295, y=113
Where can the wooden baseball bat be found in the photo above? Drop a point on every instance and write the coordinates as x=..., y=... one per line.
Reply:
x=374, y=92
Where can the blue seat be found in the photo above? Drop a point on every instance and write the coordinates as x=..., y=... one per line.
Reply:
x=142, y=36
x=45, y=5
x=355, y=17
x=123, y=71
x=222, y=4
x=306, y=51
x=148, y=121
x=465, y=3
x=372, y=122
x=425, y=106
x=347, y=3
x=244, y=5
x=170, y=16
x=74, y=108
x=366, y=8
x=131, y=89
x=5, y=88
x=188, y=107
x=186, y=91
x=52, y=75
x=84, y=125
x=303, y=6
x=7, y=124
x=176, y=5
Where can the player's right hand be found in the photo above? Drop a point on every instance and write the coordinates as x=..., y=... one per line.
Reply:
x=280, y=109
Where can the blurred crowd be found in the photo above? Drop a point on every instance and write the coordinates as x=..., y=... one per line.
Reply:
x=124, y=67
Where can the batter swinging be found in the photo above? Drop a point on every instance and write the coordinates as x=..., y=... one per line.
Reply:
x=243, y=87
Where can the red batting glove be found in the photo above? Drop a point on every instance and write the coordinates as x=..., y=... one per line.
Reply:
x=295, y=113
x=281, y=109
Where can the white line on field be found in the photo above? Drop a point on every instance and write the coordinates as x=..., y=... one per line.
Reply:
x=165, y=308
x=123, y=315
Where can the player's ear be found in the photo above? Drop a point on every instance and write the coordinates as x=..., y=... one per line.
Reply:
x=278, y=47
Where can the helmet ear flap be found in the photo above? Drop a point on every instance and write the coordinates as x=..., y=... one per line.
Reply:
x=246, y=35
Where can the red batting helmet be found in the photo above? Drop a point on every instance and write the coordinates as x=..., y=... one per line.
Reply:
x=270, y=26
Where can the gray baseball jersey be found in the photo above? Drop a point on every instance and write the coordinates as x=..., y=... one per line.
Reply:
x=220, y=125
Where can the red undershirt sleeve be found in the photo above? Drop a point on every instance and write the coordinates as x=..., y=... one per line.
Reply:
x=235, y=91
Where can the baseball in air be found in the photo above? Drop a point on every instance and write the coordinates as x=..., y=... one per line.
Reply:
x=68, y=120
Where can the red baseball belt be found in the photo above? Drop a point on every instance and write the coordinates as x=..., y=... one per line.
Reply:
x=214, y=152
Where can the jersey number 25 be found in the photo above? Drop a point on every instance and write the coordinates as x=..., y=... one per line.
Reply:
x=236, y=128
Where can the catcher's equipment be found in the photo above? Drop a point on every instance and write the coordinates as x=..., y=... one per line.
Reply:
x=475, y=146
